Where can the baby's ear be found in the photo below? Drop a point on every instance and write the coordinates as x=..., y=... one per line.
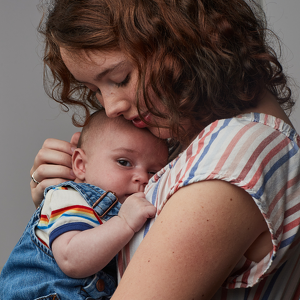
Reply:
x=78, y=163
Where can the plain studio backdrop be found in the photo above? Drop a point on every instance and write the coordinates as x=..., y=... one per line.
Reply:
x=28, y=116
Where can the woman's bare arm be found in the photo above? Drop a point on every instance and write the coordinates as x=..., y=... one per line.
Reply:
x=200, y=235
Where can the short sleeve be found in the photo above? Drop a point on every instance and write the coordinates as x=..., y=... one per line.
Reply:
x=64, y=210
x=258, y=153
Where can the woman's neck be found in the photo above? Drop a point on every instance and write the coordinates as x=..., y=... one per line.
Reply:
x=269, y=105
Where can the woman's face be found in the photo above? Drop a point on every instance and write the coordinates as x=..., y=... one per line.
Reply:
x=114, y=79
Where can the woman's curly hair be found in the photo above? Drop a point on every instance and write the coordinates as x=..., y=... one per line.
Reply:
x=204, y=59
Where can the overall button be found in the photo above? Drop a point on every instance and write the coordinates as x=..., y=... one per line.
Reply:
x=100, y=285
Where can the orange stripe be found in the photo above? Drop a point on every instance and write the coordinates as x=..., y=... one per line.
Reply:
x=74, y=207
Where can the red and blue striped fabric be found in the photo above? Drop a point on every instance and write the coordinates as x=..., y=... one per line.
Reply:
x=260, y=154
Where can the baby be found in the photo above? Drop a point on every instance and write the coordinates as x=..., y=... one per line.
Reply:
x=63, y=252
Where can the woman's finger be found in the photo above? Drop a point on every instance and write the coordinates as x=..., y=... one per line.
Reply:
x=47, y=171
x=47, y=175
x=45, y=155
x=75, y=139
x=37, y=190
x=53, y=157
x=58, y=145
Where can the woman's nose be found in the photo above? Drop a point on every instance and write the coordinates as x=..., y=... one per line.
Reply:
x=114, y=105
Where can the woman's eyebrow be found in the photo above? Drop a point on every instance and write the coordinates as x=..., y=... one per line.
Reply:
x=104, y=72
x=109, y=70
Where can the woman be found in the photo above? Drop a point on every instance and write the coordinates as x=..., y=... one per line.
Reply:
x=202, y=74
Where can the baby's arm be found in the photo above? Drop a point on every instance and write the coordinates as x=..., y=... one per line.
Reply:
x=83, y=253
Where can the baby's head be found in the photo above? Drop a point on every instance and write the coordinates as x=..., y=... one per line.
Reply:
x=116, y=156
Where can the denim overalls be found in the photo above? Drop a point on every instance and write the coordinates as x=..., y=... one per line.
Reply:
x=31, y=272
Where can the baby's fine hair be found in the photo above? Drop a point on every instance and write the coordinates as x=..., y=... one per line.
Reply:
x=95, y=121
x=96, y=124
x=204, y=59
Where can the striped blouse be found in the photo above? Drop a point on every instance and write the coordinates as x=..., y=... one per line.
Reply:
x=260, y=154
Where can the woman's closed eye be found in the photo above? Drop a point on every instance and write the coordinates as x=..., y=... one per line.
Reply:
x=124, y=163
x=124, y=82
x=120, y=84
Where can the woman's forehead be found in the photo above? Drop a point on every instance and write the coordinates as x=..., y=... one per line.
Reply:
x=96, y=63
x=91, y=56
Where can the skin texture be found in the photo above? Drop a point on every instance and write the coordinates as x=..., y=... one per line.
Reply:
x=181, y=251
x=118, y=158
x=113, y=77
x=52, y=165
x=178, y=252
x=105, y=241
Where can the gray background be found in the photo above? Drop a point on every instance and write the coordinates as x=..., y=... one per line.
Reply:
x=27, y=116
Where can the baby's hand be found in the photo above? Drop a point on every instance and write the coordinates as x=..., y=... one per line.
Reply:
x=136, y=210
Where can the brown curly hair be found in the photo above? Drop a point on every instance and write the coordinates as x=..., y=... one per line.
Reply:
x=204, y=59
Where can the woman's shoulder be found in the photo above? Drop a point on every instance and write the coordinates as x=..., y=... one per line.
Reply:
x=245, y=126
x=239, y=140
x=247, y=151
x=256, y=152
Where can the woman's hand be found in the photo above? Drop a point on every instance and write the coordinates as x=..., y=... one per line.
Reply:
x=52, y=165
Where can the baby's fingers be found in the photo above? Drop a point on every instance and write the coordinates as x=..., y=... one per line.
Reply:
x=150, y=211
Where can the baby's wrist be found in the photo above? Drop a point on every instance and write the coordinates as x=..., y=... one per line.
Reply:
x=125, y=226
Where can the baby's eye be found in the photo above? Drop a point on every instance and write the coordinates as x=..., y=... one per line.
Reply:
x=124, y=162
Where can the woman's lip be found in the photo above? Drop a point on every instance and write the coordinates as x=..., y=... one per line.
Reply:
x=137, y=122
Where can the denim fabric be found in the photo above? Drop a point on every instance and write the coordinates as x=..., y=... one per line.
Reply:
x=31, y=272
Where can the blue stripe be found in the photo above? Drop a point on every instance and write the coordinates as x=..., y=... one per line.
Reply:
x=69, y=215
x=272, y=283
x=292, y=135
x=287, y=241
x=256, y=117
x=42, y=227
x=247, y=292
x=273, y=169
x=66, y=215
x=66, y=228
x=213, y=137
x=147, y=224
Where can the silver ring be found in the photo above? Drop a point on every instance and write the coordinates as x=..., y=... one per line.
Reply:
x=33, y=179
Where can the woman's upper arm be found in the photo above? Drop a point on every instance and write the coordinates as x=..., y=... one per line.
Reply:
x=196, y=241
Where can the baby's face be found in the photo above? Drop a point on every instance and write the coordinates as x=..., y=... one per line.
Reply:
x=123, y=159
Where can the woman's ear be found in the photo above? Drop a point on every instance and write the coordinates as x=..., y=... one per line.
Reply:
x=78, y=163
